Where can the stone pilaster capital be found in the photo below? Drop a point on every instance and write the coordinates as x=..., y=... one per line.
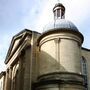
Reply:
x=57, y=40
x=10, y=67
x=7, y=70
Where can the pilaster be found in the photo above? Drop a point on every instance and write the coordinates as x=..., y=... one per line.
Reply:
x=10, y=77
x=7, y=79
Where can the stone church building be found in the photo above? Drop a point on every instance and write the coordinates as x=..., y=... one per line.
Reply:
x=52, y=60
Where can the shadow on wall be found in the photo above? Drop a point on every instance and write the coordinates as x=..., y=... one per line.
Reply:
x=48, y=64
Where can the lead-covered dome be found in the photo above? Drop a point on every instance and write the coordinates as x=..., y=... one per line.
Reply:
x=60, y=24
x=59, y=20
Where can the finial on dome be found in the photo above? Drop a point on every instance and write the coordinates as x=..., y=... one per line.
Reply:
x=58, y=1
x=59, y=11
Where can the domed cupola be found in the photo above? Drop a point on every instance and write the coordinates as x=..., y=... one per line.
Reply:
x=59, y=20
x=60, y=24
x=59, y=11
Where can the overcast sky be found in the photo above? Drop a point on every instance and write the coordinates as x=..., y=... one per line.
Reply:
x=16, y=15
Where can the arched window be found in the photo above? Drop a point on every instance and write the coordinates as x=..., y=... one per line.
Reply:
x=84, y=71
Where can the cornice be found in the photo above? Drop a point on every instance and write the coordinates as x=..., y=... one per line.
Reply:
x=77, y=33
x=86, y=49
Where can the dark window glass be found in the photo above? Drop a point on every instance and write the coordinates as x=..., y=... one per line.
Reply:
x=58, y=12
x=84, y=71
